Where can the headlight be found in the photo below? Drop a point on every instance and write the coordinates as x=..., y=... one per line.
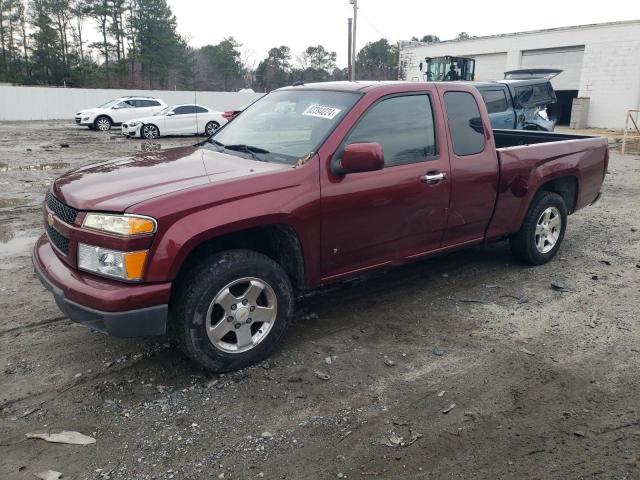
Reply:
x=111, y=263
x=127, y=225
x=133, y=124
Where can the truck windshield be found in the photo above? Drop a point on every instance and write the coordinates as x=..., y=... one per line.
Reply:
x=286, y=125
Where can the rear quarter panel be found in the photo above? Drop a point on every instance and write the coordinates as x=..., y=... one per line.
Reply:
x=524, y=169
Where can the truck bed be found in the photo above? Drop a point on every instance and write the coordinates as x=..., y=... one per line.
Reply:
x=526, y=157
x=514, y=138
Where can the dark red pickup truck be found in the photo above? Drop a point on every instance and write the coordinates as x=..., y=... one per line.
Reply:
x=311, y=184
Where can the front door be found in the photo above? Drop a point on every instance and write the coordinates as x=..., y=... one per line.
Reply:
x=373, y=218
x=183, y=121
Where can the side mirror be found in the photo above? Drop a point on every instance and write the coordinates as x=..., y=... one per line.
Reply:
x=360, y=157
x=115, y=107
x=170, y=114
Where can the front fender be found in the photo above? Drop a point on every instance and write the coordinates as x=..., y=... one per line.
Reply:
x=290, y=198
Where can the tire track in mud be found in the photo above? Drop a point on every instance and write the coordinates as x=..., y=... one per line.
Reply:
x=33, y=325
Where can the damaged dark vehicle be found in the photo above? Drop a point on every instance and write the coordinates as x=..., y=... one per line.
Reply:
x=519, y=102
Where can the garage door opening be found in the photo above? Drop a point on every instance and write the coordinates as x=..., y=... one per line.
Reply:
x=562, y=109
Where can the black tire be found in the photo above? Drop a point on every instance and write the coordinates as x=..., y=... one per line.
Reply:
x=149, y=131
x=210, y=128
x=523, y=243
x=102, y=123
x=196, y=292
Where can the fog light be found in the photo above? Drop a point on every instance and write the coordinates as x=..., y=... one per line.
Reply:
x=111, y=263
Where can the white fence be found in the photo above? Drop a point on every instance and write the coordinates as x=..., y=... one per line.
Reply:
x=51, y=103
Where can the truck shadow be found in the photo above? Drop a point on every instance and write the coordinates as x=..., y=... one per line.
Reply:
x=360, y=303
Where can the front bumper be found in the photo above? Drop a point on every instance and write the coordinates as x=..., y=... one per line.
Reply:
x=84, y=122
x=129, y=131
x=68, y=285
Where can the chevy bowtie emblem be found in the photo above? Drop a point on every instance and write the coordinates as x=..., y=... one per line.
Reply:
x=50, y=219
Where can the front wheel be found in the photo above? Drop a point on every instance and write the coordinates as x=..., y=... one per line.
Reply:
x=542, y=229
x=102, y=124
x=210, y=128
x=150, y=132
x=232, y=310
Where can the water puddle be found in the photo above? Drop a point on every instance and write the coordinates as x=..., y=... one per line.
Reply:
x=16, y=245
x=11, y=202
x=150, y=146
x=37, y=166
x=45, y=166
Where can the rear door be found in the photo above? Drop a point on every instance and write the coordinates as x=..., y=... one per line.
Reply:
x=474, y=166
x=202, y=117
x=499, y=107
x=373, y=218
x=134, y=110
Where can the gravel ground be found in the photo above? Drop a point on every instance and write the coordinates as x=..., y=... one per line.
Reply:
x=466, y=366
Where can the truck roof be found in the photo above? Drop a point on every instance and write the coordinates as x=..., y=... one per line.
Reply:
x=347, y=86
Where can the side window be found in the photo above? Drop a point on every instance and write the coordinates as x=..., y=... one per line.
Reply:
x=201, y=110
x=131, y=103
x=152, y=103
x=495, y=100
x=465, y=123
x=403, y=126
x=184, y=110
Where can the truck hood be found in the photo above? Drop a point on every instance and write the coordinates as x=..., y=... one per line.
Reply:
x=116, y=185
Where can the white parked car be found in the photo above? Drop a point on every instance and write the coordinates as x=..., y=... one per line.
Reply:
x=117, y=111
x=187, y=119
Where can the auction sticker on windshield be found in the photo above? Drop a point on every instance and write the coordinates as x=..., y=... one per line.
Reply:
x=321, y=111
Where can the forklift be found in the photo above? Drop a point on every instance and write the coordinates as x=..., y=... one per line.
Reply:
x=448, y=69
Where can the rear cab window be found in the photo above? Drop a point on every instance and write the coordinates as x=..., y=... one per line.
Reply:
x=465, y=123
x=402, y=125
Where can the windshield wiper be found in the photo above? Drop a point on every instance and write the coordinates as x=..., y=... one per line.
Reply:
x=241, y=147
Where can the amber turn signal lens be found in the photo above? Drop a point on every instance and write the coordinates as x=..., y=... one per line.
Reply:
x=138, y=225
x=134, y=264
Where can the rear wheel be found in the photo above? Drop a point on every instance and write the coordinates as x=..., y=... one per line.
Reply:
x=542, y=230
x=102, y=124
x=150, y=131
x=211, y=127
x=232, y=310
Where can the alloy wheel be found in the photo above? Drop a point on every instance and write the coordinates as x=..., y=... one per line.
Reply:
x=103, y=124
x=211, y=127
x=241, y=315
x=149, y=131
x=548, y=229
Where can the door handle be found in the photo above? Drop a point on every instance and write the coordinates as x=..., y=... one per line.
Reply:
x=433, y=177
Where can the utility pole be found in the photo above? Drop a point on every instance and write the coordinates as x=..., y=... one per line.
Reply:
x=353, y=39
x=349, y=49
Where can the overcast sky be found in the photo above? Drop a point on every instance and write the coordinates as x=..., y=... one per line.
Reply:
x=260, y=25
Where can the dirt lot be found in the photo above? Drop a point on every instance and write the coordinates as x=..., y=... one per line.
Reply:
x=466, y=366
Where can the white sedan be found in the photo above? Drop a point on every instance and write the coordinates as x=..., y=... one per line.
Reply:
x=188, y=119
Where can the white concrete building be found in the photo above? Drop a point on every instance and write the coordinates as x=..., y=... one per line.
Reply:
x=600, y=62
